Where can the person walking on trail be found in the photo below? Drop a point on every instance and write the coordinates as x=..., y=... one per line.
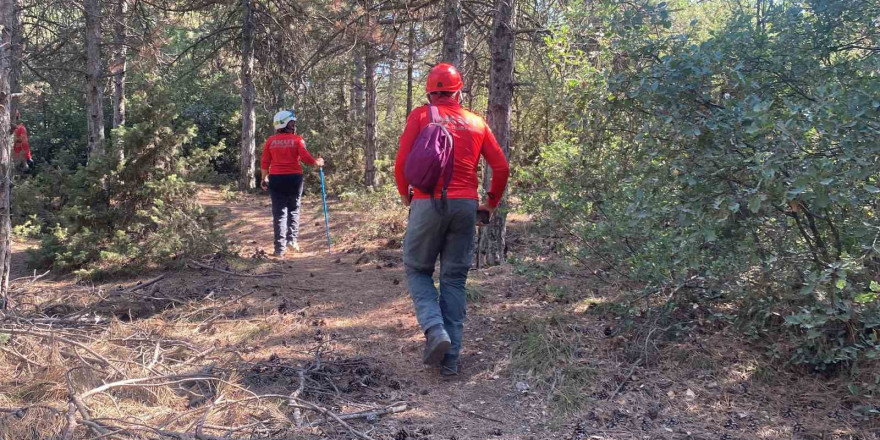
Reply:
x=445, y=228
x=282, y=175
x=21, y=150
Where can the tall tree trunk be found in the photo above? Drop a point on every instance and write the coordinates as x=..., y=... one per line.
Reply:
x=357, y=84
x=371, y=178
x=492, y=246
x=410, y=60
x=391, y=91
x=451, y=52
x=120, y=64
x=248, y=96
x=94, y=82
x=15, y=60
x=6, y=12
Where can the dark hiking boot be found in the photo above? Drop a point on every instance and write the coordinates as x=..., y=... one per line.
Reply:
x=449, y=366
x=436, y=344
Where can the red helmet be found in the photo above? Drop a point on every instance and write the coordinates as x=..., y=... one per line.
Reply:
x=443, y=77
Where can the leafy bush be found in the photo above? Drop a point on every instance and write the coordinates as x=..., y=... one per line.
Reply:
x=137, y=212
x=742, y=168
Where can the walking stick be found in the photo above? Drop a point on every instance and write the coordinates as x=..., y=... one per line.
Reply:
x=324, y=199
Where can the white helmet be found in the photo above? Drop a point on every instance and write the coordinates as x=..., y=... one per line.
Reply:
x=282, y=118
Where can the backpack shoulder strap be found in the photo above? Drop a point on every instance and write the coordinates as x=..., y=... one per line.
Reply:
x=434, y=112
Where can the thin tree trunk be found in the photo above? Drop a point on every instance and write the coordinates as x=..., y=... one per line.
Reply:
x=371, y=178
x=391, y=92
x=248, y=96
x=451, y=51
x=6, y=17
x=120, y=64
x=410, y=60
x=357, y=85
x=94, y=82
x=492, y=245
x=16, y=53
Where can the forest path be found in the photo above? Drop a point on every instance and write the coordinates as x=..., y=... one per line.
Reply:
x=707, y=385
x=543, y=357
x=357, y=296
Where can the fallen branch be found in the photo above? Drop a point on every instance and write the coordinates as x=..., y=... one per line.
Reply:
x=54, y=336
x=169, y=379
x=140, y=286
x=237, y=274
x=32, y=279
x=80, y=406
x=21, y=411
x=22, y=357
x=625, y=379
x=326, y=413
x=297, y=414
x=71, y=422
x=479, y=416
x=368, y=414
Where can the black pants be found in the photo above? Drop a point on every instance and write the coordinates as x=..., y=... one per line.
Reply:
x=286, y=192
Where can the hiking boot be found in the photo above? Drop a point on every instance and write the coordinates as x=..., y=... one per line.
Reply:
x=278, y=255
x=293, y=245
x=449, y=366
x=436, y=344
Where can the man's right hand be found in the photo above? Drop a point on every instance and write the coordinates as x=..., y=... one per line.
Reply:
x=406, y=199
x=265, y=184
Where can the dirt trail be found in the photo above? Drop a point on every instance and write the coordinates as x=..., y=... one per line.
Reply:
x=360, y=299
x=351, y=307
x=708, y=386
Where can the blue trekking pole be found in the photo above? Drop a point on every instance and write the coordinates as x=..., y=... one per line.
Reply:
x=324, y=199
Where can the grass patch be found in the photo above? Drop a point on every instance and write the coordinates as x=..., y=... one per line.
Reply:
x=549, y=352
x=474, y=292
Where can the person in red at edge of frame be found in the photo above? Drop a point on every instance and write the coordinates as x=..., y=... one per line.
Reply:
x=282, y=175
x=449, y=235
x=21, y=150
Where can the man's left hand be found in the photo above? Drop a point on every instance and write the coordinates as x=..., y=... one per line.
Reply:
x=486, y=207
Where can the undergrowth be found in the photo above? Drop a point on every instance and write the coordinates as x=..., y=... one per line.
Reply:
x=549, y=352
x=109, y=215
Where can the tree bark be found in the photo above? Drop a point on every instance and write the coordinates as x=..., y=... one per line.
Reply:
x=7, y=10
x=357, y=85
x=410, y=60
x=492, y=246
x=120, y=64
x=371, y=178
x=248, y=96
x=451, y=51
x=391, y=91
x=15, y=55
x=94, y=82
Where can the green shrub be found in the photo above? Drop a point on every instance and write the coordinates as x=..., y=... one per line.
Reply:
x=739, y=170
x=133, y=213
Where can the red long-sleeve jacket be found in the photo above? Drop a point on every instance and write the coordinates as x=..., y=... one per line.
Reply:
x=471, y=138
x=21, y=148
x=283, y=152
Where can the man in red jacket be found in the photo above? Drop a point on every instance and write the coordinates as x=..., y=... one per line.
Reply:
x=21, y=150
x=282, y=175
x=447, y=234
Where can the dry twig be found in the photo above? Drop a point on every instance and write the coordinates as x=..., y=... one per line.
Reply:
x=140, y=286
x=369, y=414
x=205, y=266
x=625, y=379
x=479, y=416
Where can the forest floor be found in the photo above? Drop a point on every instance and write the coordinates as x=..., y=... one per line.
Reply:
x=214, y=344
